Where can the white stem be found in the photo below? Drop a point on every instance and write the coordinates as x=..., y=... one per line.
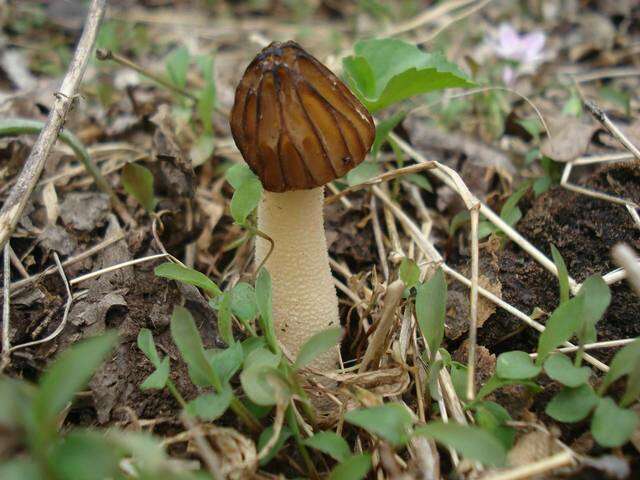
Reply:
x=304, y=295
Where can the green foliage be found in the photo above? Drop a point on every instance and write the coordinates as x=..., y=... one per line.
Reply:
x=385, y=71
x=596, y=297
x=516, y=365
x=211, y=406
x=265, y=436
x=243, y=302
x=560, y=368
x=260, y=376
x=354, y=467
x=158, y=379
x=363, y=172
x=510, y=212
x=318, y=344
x=571, y=405
x=383, y=129
x=431, y=303
x=138, y=182
x=263, y=301
x=563, y=274
x=409, y=272
x=471, y=442
x=493, y=418
x=625, y=362
x=390, y=421
x=611, y=425
x=247, y=194
x=562, y=324
x=330, y=443
x=180, y=273
x=177, y=65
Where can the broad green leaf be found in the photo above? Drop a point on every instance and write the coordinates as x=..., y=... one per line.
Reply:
x=493, y=417
x=419, y=180
x=516, y=365
x=226, y=362
x=263, y=301
x=409, y=272
x=354, y=467
x=571, y=405
x=210, y=406
x=596, y=298
x=177, y=64
x=138, y=182
x=318, y=344
x=265, y=436
x=69, y=373
x=187, y=338
x=624, y=362
x=390, y=421
x=563, y=274
x=238, y=174
x=495, y=382
x=85, y=455
x=611, y=425
x=386, y=71
x=431, y=303
x=148, y=346
x=158, y=379
x=459, y=378
x=245, y=199
x=383, y=129
x=560, y=327
x=187, y=275
x=145, y=450
x=225, y=327
x=561, y=369
x=363, y=172
x=632, y=391
x=243, y=301
x=471, y=442
x=330, y=443
x=256, y=377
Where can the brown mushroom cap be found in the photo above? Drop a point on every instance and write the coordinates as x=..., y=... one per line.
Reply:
x=295, y=123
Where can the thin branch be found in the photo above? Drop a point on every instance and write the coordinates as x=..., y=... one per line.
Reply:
x=19, y=196
x=626, y=258
x=534, y=469
x=6, y=315
x=473, y=327
x=613, y=129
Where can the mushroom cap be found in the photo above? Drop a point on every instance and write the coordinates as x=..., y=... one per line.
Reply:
x=296, y=124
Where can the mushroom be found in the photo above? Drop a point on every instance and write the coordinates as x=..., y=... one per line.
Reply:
x=298, y=127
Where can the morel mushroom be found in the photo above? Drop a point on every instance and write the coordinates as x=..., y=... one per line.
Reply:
x=298, y=127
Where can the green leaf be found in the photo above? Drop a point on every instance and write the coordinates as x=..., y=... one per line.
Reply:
x=632, y=391
x=419, y=180
x=390, y=421
x=493, y=417
x=158, y=379
x=265, y=436
x=571, y=405
x=317, y=345
x=70, y=372
x=330, y=443
x=177, y=66
x=225, y=327
x=85, y=455
x=495, y=382
x=386, y=71
x=238, y=174
x=138, y=182
x=431, y=303
x=560, y=327
x=532, y=126
x=210, y=406
x=260, y=365
x=596, y=298
x=206, y=96
x=561, y=369
x=611, y=425
x=202, y=149
x=458, y=220
x=263, y=301
x=563, y=274
x=624, y=362
x=187, y=338
x=409, y=272
x=354, y=467
x=471, y=442
x=21, y=469
x=243, y=301
x=226, y=362
x=510, y=212
x=363, y=172
x=516, y=365
x=245, y=199
x=148, y=346
x=383, y=129
x=187, y=275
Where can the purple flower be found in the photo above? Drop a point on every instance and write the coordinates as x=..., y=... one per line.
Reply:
x=526, y=50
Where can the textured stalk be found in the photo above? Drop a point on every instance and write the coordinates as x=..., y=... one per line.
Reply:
x=304, y=295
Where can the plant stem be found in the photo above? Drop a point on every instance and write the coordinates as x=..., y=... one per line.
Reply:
x=292, y=421
x=176, y=394
x=245, y=415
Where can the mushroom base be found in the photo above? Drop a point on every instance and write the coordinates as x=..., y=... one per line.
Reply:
x=303, y=292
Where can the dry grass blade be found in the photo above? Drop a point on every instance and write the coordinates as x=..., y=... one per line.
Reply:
x=626, y=258
x=613, y=129
x=6, y=306
x=562, y=459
